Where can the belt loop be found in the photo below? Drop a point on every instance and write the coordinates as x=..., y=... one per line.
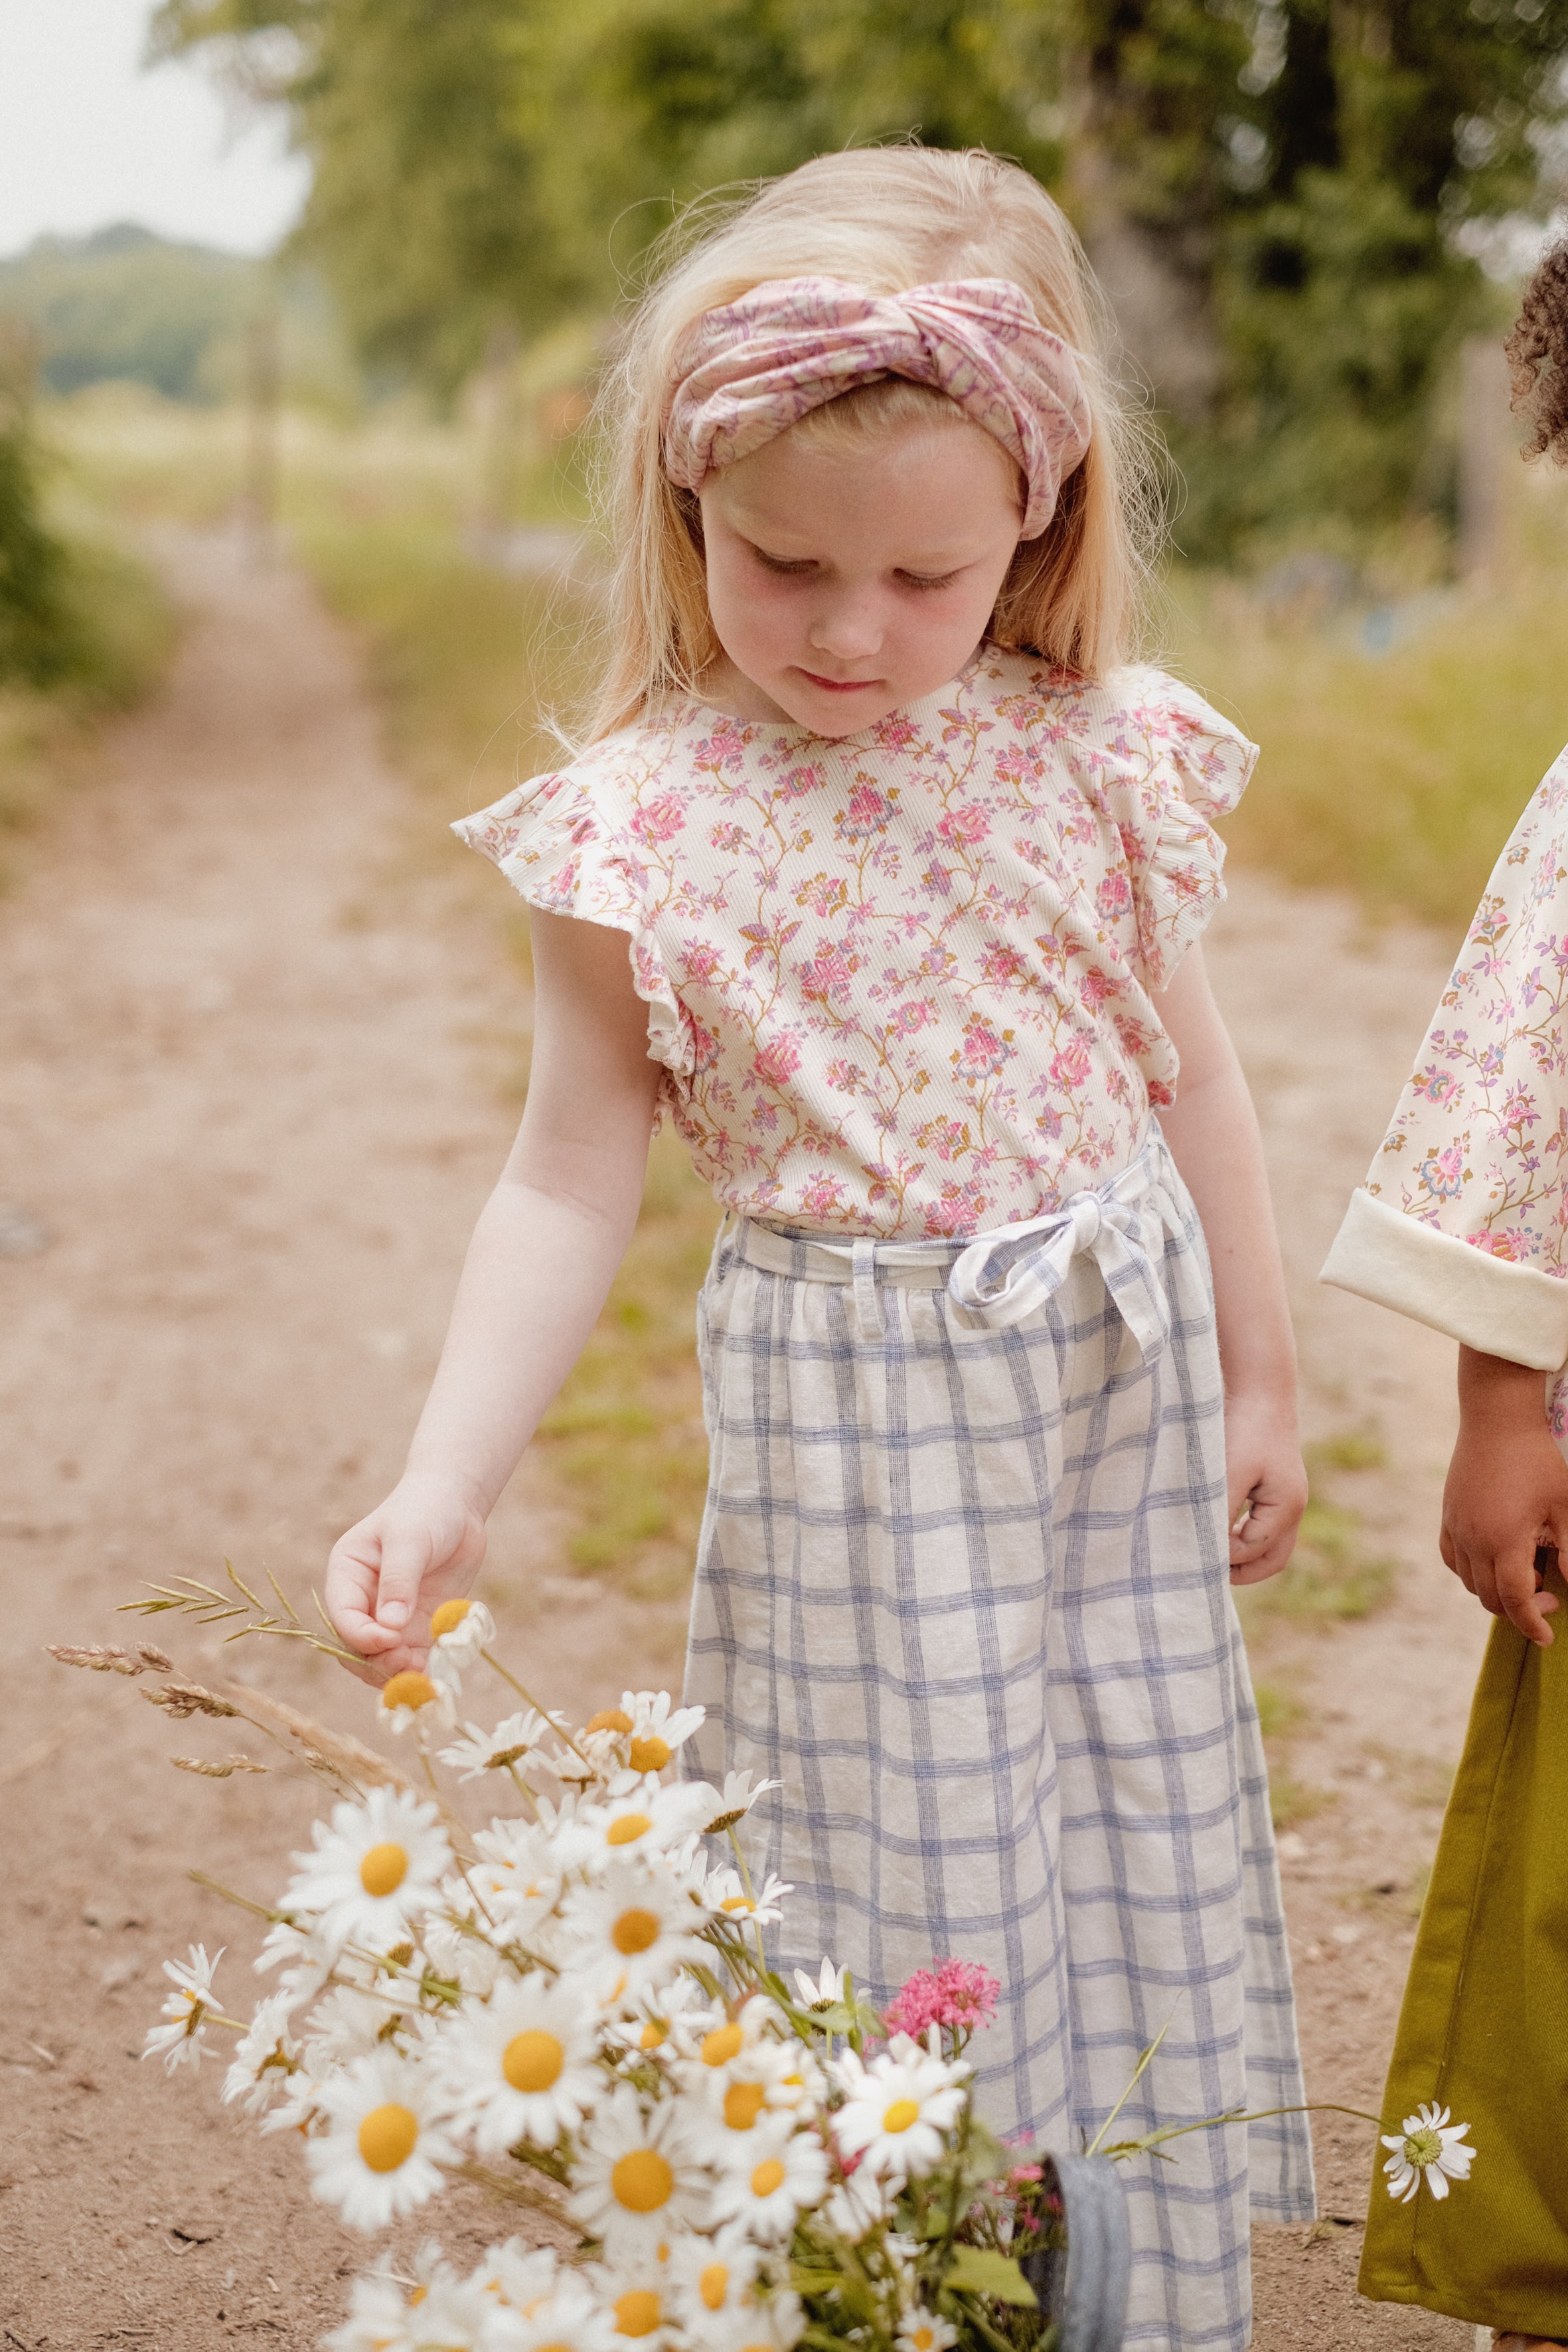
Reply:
x=863, y=1274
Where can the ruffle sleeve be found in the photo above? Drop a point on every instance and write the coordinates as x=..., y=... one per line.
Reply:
x=1463, y=1219
x=1186, y=766
x=558, y=842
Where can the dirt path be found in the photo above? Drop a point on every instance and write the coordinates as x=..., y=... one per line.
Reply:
x=242, y=1100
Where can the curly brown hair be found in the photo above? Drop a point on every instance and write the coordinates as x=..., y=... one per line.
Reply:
x=1538, y=359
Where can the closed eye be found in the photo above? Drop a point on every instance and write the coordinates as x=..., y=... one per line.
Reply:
x=924, y=580
x=782, y=565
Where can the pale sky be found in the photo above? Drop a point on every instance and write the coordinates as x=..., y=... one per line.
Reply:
x=86, y=137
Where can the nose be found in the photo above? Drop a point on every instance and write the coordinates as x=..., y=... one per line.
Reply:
x=848, y=628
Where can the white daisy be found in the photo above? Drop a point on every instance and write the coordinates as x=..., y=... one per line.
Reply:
x=789, y=2174
x=1428, y=2148
x=264, y=2057
x=643, y=1816
x=657, y=1728
x=520, y=2065
x=346, y=2025
x=827, y=1991
x=460, y=1629
x=633, y=1930
x=477, y=1752
x=570, y=2319
x=517, y=2277
x=298, y=1951
x=734, y=1802
x=640, y=2303
x=373, y=1873
x=180, y=2041
x=518, y=1877
x=763, y=1907
x=896, y=2108
x=418, y=1699
x=385, y=2142
x=379, y=2316
x=742, y=2100
x=709, y=2277
x=856, y=2207
x=638, y=2180
x=463, y=1955
x=922, y=2331
x=771, y=2323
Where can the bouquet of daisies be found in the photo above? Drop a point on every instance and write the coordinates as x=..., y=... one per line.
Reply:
x=567, y=1998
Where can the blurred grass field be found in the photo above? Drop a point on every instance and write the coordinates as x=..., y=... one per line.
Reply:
x=1393, y=774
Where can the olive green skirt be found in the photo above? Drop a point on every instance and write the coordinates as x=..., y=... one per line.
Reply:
x=1484, y=2026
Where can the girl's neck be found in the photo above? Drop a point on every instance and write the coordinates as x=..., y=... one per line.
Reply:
x=723, y=687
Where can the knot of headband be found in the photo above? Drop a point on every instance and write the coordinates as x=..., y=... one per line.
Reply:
x=757, y=366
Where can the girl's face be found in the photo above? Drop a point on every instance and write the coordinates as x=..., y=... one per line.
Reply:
x=844, y=584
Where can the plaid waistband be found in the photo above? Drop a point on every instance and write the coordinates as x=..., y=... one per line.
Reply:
x=997, y=1277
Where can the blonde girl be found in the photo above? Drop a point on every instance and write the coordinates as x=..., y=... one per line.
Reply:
x=882, y=876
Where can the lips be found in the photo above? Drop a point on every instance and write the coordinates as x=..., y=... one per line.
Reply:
x=839, y=685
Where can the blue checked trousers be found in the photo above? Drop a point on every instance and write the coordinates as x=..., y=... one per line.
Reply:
x=963, y=1589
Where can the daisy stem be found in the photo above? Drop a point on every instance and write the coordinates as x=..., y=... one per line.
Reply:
x=503, y=2184
x=1210, y=2123
x=751, y=1897
x=527, y=1696
x=215, y=1886
x=524, y=1791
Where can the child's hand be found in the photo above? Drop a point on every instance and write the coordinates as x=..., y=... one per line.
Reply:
x=422, y=1546
x=1266, y=1485
x=1506, y=1493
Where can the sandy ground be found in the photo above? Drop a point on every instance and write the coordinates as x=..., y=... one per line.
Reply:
x=246, y=1114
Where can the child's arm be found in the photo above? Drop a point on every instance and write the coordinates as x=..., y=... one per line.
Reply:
x=1507, y=1492
x=542, y=1257
x=1212, y=1130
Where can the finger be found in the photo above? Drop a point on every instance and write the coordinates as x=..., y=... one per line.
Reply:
x=1460, y=1564
x=1483, y=1583
x=352, y=1571
x=1520, y=1598
x=404, y=1562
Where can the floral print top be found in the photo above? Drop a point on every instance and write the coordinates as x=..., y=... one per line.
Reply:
x=900, y=980
x=1478, y=1147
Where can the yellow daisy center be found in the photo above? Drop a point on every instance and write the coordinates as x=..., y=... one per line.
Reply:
x=649, y=1755
x=532, y=2060
x=737, y=1903
x=627, y=1830
x=923, y=2339
x=408, y=1690
x=901, y=2115
x=723, y=2043
x=558, y=2348
x=418, y=2295
x=632, y=1932
x=744, y=2103
x=636, y=2313
x=714, y=2285
x=767, y=2177
x=383, y=1869
x=652, y=2033
x=609, y=1718
x=448, y=1617
x=642, y=2181
x=386, y=2138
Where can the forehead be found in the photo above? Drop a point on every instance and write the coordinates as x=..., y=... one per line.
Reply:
x=926, y=481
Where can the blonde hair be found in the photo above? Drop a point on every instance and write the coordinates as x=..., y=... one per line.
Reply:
x=886, y=219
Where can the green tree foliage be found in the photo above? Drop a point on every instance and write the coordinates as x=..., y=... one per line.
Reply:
x=38, y=636
x=1271, y=187
x=123, y=303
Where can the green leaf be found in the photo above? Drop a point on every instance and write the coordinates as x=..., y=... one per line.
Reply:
x=980, y=2271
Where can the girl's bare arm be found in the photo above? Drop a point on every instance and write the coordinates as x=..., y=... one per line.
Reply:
x=544, y=1252
x=1507, y=1492
x=1211, y=1129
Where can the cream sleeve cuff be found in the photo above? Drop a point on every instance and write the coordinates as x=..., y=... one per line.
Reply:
x=1513, y=1311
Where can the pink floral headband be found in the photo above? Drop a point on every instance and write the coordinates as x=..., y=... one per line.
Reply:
x=759, y=365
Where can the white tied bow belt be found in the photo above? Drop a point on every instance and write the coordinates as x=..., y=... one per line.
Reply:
x=1005, y=1274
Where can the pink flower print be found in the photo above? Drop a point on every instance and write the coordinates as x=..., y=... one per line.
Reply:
x=1095, y=988
x=957, y=1212
x=895, y=733
x=797, y=783
x=1443, y=1173
x=937, y=882
x=730, y=838
x=846, y=1077
x=1113, y=898
x=962, y=828
x=1132, y=1036
x=1004, y=967
x=702, y=958
x=1432, y=1085
x=1071, y=1064
x=825, y=894
x=983, y=1052
x=704, y=1048
x=725, y=747
x=1160, y=1095
x=1132, y=846
x=1515, y=1244
x=869, y=814
x=774, y=1064
x=910, y=1018
x=1519, y=1108
x=949, y=1138
x=562, y=887
x=826, y=979
x=659, y=819
x=823, y=1194
x=1019, y=765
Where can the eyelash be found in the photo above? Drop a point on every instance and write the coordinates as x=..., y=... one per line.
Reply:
x=921, y=584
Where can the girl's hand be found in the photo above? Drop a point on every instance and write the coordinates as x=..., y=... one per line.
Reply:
x=423, y=1546
x=1506, y=1493
x=1265, y=1479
